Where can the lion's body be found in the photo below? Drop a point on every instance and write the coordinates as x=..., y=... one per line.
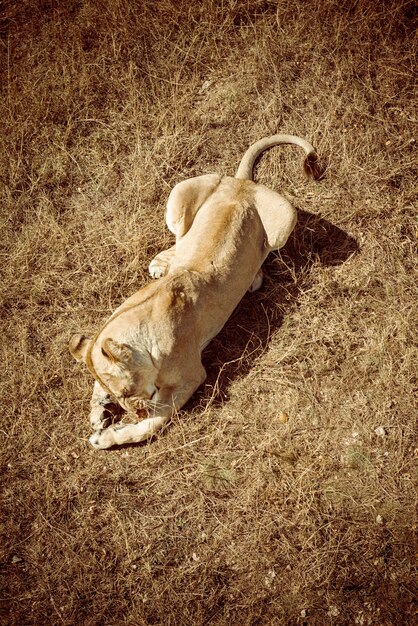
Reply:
x=149, y=352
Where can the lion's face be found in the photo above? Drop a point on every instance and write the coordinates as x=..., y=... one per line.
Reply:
x=127, y=375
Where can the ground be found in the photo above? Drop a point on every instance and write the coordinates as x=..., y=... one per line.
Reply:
x=285, y=491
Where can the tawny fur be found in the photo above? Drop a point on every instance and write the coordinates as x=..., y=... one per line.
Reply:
x=148, y=354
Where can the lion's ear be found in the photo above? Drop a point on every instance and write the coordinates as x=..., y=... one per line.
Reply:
x=78, y=346
x=116, y=352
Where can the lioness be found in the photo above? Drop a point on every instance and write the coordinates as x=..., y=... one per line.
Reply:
x=148, y=354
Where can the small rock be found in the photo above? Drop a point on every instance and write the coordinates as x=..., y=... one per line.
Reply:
x=334, y=611
x=380, y=431
x=379, y=519
x=271, y=575
x=205, y=87
x=283, y=417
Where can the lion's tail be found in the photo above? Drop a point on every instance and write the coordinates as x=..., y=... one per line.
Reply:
x=310, y=165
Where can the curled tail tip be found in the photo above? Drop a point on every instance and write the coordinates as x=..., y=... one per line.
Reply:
x=312, y=167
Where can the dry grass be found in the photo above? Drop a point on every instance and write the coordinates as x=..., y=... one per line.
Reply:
x=232, y=517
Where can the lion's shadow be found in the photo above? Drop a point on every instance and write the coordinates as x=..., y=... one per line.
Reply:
x=286, y=274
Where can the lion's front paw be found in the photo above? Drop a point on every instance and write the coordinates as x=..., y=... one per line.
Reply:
x=103, y=439
x=100, y=418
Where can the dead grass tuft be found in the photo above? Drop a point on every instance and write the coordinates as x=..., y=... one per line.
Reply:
x=235, y=515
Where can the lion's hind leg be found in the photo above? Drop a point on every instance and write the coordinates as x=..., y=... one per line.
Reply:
x=277, y=216
x=257, y=282
x=186, y=199
x=160, y=264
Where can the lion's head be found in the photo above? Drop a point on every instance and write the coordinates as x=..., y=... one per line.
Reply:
x=126, y=373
